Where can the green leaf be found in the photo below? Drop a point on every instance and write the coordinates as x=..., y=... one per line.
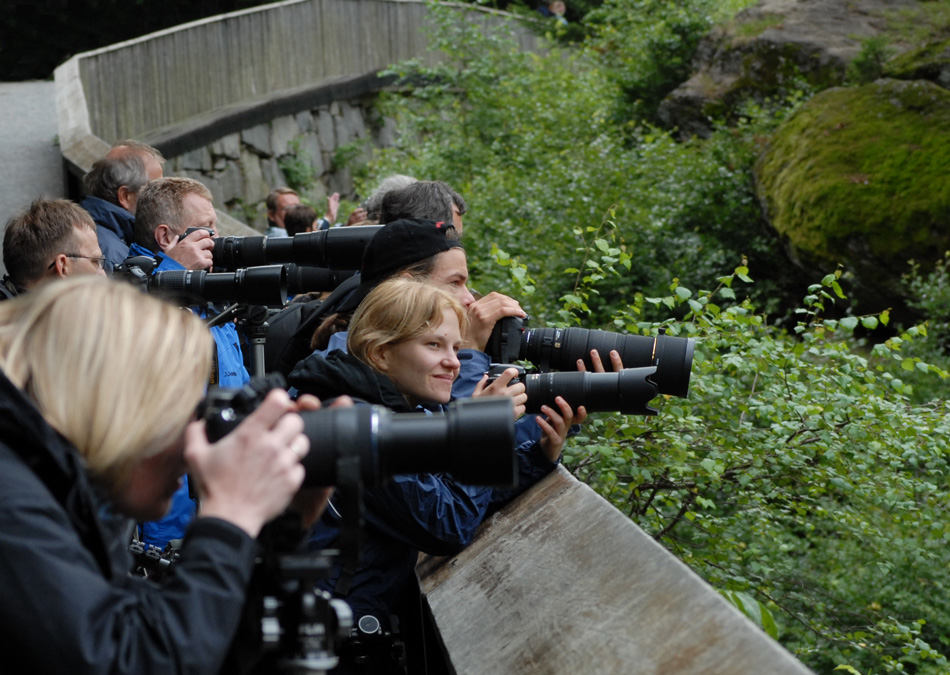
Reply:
x=849, y=322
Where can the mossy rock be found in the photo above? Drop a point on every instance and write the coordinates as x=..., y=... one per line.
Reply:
x=859, y=177
x=928, y=62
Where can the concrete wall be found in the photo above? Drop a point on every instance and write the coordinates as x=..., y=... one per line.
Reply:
x=223, y=97
x=560, y=582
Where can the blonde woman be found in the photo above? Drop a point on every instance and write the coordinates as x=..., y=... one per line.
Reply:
x=98, y=389
x=403, y=347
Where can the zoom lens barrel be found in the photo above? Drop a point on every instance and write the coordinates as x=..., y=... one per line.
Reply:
x=474, y=441
x=339, y=248
x=307, y=279
x=254, y=286
x=628, y=391
x=560, y=348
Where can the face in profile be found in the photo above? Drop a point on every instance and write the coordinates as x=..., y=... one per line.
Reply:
x=148, y=491
x=424, y=368
x=450, y=273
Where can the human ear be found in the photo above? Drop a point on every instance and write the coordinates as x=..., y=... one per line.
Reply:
x=127, y=198
x=379, y=358
x=165, y=237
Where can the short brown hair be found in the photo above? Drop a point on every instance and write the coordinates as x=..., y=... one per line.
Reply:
x=160, y=202
x=34, y=236
x=397, y=311
x=299, y=218
x=275, y=193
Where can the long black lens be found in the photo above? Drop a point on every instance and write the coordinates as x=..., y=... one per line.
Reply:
x=560, y=348
x=628, y=391
x=306, y=279
x=473, y=441
x=339, y=248
x=254, y=286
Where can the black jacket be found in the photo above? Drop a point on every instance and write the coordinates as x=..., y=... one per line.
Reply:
x=432, y=513
x=67, y=604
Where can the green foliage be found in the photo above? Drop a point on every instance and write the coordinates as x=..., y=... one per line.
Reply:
x=868, y=65
x=646, y=46
x=833, y=173
x=297, y=168
x=806, y=475
x=530, y=141
x=798, y=472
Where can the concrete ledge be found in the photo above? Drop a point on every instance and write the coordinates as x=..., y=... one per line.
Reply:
x=204, y=129
x=562, y=582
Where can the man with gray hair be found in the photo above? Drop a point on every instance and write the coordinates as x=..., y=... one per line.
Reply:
x=113, y=185
x=430, y=199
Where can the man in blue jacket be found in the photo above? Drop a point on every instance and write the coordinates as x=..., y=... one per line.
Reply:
x=113, y=185
x=166, y=209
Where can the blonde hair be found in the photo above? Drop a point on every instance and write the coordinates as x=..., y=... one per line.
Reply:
x=397, y=311
x=116, y=372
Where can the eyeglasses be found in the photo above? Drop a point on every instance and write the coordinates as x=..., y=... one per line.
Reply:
x=98, y=261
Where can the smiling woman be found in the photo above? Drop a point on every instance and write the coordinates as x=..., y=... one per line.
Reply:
x=402, y=352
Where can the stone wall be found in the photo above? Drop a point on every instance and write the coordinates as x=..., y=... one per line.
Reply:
x=300, y=151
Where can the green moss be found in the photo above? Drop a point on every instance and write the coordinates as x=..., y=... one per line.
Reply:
x=744, y=29
x=858, y=176
x=924, y=63
x=772, y=72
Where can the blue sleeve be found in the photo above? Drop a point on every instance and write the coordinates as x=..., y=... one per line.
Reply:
x=533, y=465
x=429, y=512
x=231, y=370
x=474, y=364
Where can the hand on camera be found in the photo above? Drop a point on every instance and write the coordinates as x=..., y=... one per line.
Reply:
x=194, y=251
x=556, y=426
x=250, y=475
x=501, y=387
x=615, y=362
x=484, y=313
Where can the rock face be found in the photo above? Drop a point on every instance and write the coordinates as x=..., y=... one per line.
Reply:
x=858, y=176
x=771, y=48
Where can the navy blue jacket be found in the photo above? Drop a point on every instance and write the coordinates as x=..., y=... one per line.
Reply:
x=67, y=602
x=432, y=513
x=113, y=227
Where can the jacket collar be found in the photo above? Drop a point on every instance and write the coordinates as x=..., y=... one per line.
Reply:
x=56, y=463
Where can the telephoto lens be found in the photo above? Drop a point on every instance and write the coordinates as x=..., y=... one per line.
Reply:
x=474, y=440
x=307, y=279
x=339, y=248
x=252, y=286
x=561, y=348
x=627, y=391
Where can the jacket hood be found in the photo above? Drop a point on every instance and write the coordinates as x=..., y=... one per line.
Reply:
x=339, y=373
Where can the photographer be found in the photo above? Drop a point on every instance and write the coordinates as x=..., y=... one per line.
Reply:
x=97, y=429
x=402, y=353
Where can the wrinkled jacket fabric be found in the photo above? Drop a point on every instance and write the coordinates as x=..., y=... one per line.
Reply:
x=432, y=513
x=67, y=603
x=114, y=227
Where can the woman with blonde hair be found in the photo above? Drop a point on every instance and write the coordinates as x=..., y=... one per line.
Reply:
x=98, y=388
x=402, y=353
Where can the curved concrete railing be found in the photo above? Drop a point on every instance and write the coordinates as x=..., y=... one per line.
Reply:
x=184, y=87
